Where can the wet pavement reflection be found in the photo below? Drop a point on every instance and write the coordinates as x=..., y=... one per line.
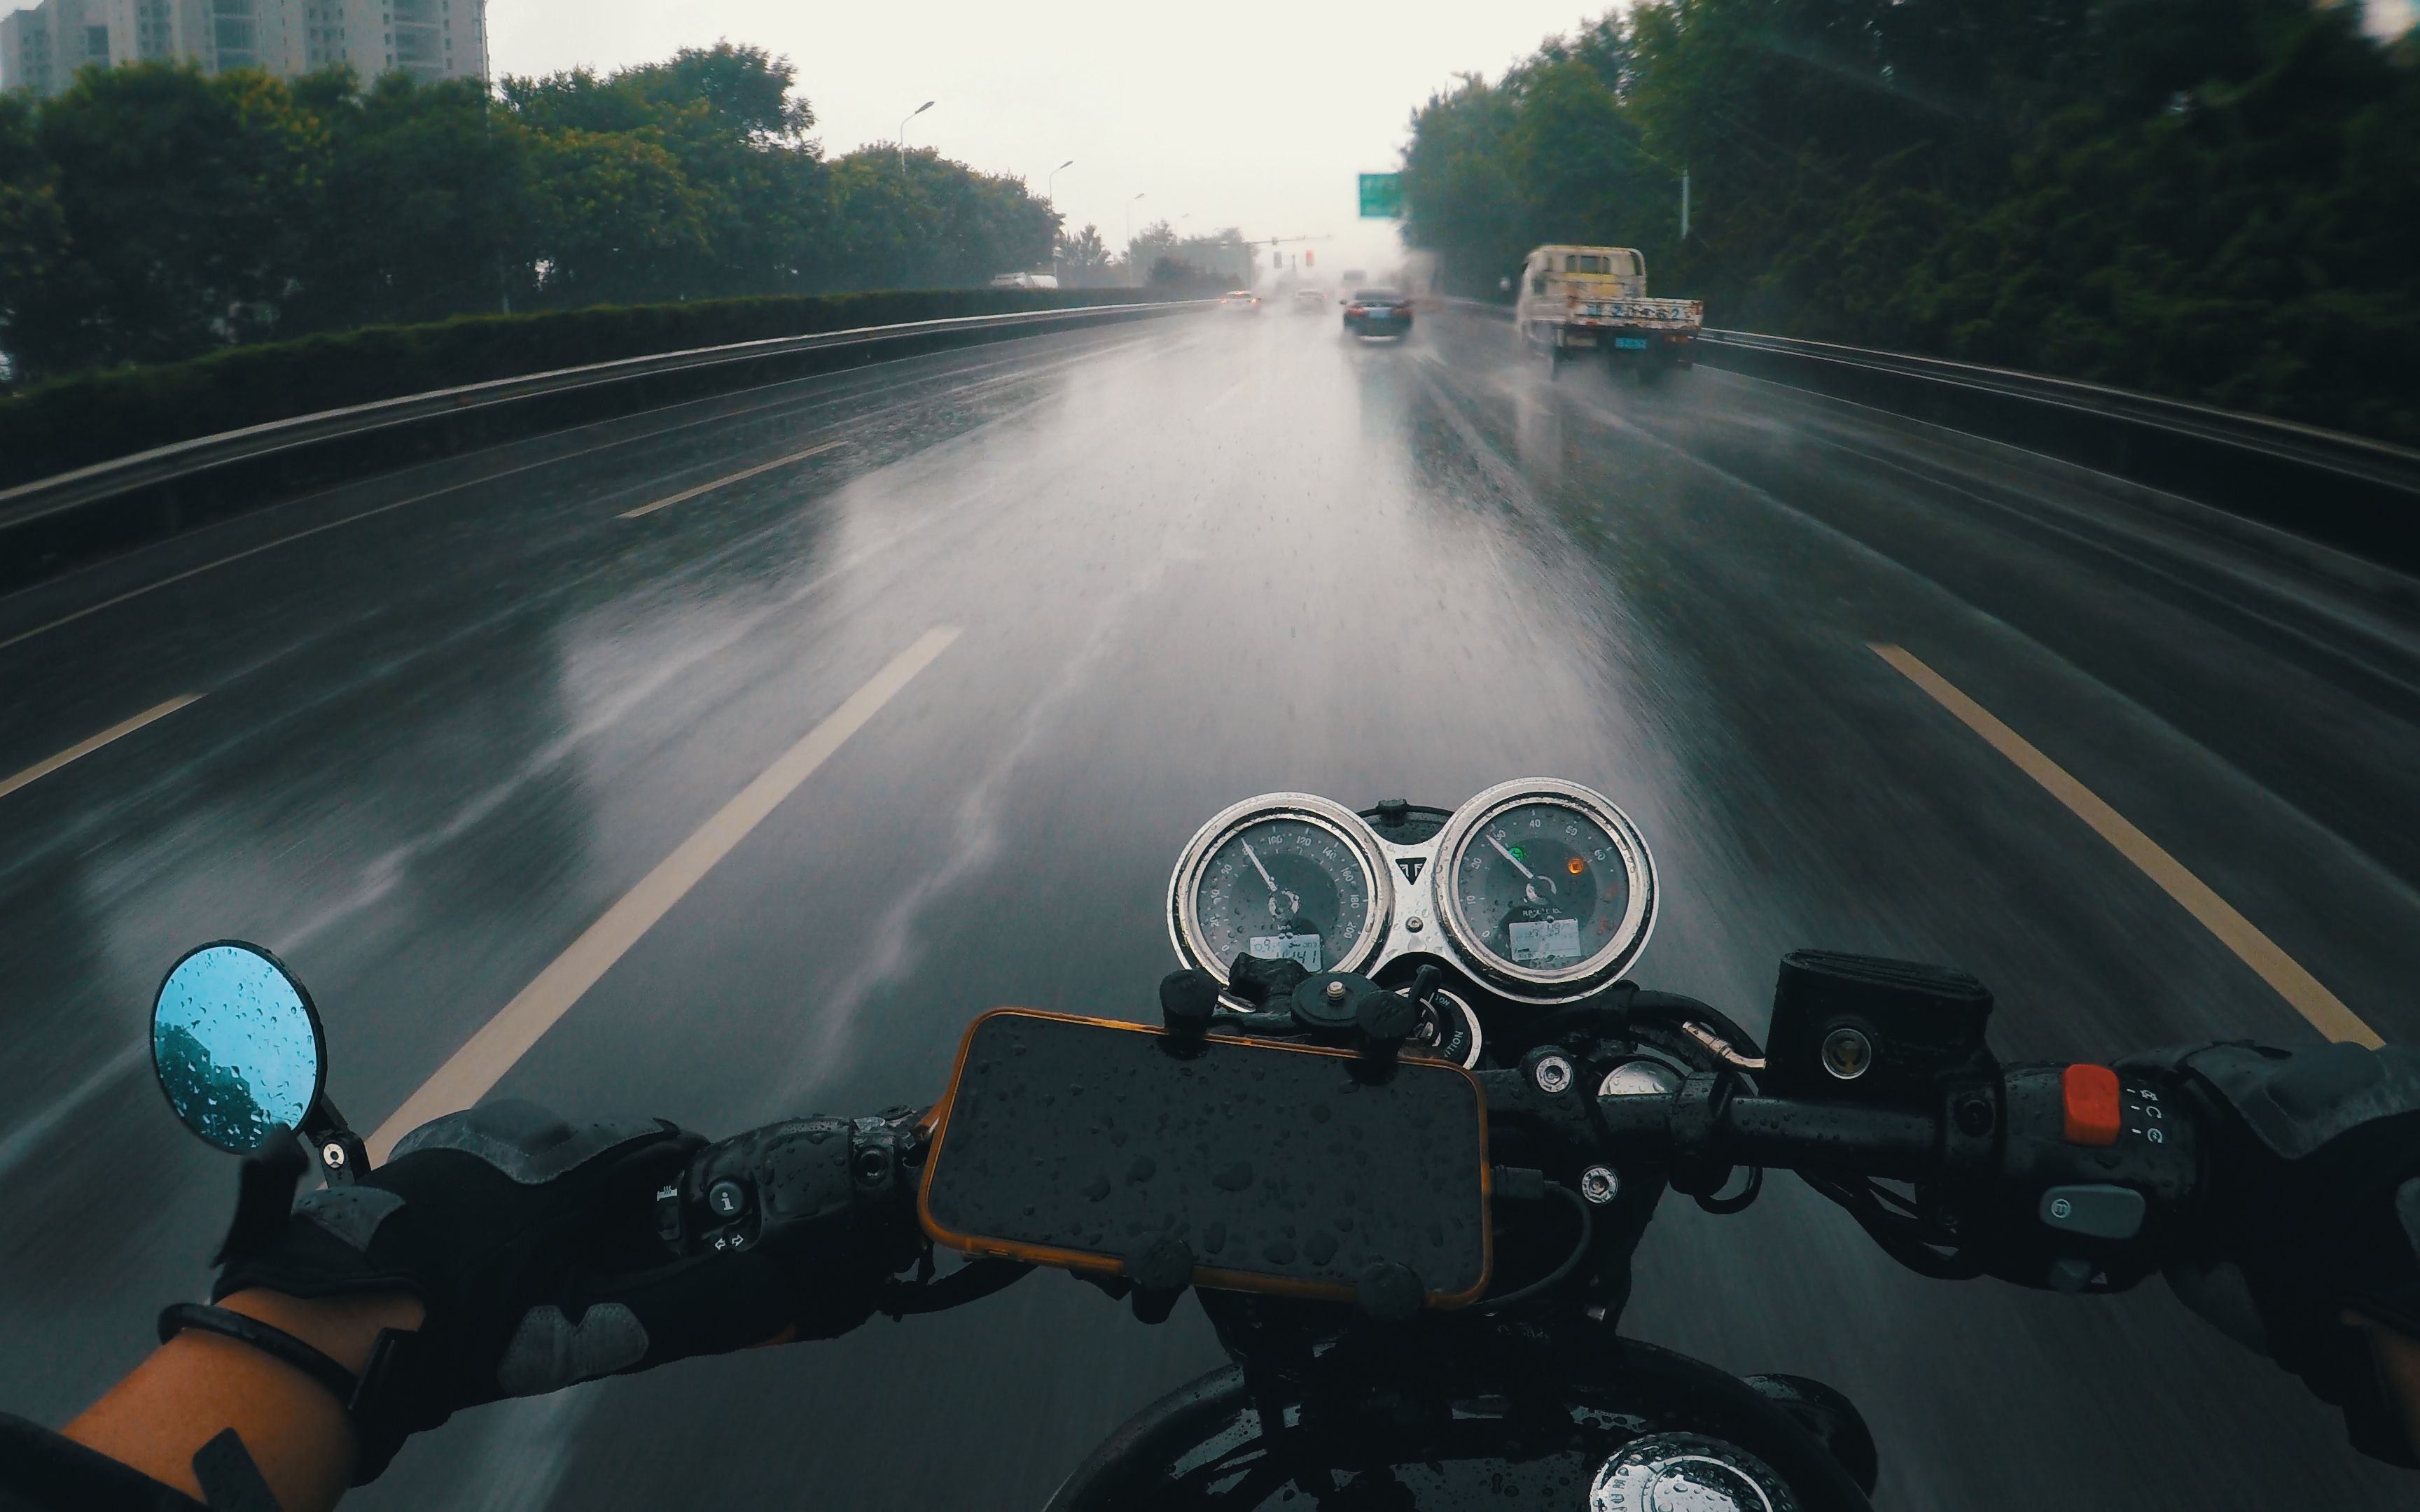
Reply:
x=1191, y=561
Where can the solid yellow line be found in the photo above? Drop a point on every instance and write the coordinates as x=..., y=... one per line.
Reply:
x=2326, y=1011
x=85, y=748
x=475, y=1069
x=710, y=487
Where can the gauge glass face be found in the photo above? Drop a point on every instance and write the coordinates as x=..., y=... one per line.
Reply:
x=1283, y=888
x=1542, y=887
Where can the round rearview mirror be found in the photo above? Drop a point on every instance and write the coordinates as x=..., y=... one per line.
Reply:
x=236, y=1044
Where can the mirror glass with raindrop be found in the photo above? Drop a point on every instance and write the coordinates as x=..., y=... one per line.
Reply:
x=236, y=1045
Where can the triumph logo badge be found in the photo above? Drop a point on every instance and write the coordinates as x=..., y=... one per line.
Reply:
x=1411, y=866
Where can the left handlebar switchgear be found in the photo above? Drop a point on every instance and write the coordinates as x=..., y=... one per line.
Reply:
x=770, y=1183
x=828, y=1203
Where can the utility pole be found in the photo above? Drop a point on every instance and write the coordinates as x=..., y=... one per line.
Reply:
x=1684, y=204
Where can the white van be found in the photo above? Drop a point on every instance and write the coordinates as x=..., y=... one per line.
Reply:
x=1025, y=281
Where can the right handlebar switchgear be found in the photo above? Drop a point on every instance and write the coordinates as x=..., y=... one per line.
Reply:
x=2096, y=1171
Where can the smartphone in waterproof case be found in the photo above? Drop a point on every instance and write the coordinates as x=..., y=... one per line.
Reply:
x=1283, y=1168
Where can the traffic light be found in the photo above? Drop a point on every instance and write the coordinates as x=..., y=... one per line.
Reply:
x=1310, y=259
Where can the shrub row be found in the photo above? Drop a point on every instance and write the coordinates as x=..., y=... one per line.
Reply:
x=92, y=417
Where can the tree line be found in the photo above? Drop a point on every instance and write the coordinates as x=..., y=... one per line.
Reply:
x=151, y=212
x=2212, y=198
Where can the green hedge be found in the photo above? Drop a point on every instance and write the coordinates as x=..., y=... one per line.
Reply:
x=91, y=417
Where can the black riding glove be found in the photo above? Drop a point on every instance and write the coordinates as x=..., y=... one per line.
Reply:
x=548, y=1254
x=2313, y=1209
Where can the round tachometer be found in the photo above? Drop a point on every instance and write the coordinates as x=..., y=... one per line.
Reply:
x=1284, y=876
x=1548, y=888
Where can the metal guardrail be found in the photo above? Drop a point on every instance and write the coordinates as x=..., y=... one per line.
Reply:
x=52, y=522
x=2359, y=494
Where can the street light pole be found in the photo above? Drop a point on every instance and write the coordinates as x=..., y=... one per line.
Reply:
x=1050, y=197
x=1130, y=232
x=901, y=140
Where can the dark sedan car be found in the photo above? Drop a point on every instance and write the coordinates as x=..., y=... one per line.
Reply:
x=1378, y=311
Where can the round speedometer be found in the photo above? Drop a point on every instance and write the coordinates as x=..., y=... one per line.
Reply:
x=1547, y=888
x=1284, y=876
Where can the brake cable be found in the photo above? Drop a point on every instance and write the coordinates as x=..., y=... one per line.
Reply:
x=1561, y=1273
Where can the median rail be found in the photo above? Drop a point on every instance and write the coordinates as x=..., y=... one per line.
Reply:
x=52, y=523
x=2349, y=492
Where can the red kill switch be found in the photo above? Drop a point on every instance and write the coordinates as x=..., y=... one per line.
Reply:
x=2091, y=1097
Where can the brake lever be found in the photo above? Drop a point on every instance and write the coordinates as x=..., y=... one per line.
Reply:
x=970, y=1281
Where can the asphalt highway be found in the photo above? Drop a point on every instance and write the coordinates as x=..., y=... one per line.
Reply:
x=441, y=721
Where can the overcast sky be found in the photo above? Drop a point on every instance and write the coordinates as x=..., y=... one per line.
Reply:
x=1260, y=120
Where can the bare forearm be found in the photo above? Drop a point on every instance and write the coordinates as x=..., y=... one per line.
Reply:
x=197, y=1385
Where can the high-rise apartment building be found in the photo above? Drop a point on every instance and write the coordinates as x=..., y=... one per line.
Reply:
x=41, y=47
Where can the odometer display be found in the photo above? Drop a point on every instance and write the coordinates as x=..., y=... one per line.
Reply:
x=1282, y=879
x=1546, y=888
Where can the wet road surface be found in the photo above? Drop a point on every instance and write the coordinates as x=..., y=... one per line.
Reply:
x=430, y=746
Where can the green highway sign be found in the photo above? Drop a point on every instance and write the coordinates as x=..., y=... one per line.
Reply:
x=1382, y=197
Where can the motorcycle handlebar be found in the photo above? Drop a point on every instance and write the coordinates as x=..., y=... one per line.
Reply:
x=2075, y=1178
x=1698, y=1122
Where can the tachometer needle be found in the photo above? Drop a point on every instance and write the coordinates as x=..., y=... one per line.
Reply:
x=1264, y=870
x=1508, y=856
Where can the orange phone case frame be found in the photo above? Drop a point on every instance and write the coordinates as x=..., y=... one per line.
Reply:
x=1203, y=1275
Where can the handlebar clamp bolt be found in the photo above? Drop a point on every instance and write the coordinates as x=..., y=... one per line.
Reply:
x=1552, y=1073
x=1600, y=1185
x=1336, y=991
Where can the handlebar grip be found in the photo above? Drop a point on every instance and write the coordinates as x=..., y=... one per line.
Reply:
x=1698, y=1122
x=1889, y=1142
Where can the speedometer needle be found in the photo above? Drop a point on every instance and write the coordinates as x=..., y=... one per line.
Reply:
x=1510, y=856
x=1264, y=870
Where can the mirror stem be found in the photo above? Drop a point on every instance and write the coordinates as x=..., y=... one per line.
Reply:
x=340, y=1151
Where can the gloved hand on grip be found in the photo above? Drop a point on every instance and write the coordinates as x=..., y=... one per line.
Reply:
x=548, y=1254
x=800, y=1223
x=2311, y=1213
